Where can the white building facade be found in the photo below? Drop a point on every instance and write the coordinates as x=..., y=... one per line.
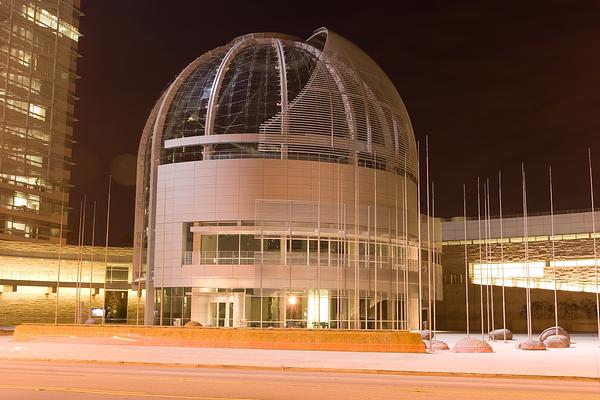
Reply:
x=277, y=187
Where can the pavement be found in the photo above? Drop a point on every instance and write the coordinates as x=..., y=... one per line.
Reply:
x=579, y=362
x=54, y=381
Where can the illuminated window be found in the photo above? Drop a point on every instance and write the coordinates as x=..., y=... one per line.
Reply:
x=23, y=57
x=46, y=19
x=486, y=273
x=37, y=112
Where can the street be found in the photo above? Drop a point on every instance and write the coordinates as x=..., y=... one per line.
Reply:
x=45, y=380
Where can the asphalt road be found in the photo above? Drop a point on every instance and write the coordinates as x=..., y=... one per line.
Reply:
x=39, y=380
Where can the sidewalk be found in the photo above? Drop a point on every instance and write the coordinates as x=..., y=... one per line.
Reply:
x=582, y=360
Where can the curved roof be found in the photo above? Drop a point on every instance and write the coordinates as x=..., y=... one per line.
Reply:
x=321, y=98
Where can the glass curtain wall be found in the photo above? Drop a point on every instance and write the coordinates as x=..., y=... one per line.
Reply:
x=38, y=53
x=310, y=274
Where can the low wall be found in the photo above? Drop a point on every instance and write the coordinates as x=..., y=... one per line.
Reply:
x=250, y=338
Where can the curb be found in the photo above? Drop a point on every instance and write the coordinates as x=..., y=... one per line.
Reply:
x=284, y=368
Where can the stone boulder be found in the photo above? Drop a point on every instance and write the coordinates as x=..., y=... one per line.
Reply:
x=426, y=334
x=532, y=344
x=192, y=324
x=438, y=345
x=553, y=331
x=557, y=342
x=500, y=334
x=90, y=321
x=472, y=345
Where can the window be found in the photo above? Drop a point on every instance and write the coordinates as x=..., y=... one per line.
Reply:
x=229, y=243
x=272, y=244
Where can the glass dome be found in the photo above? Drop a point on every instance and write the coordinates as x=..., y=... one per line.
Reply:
x=322, y=98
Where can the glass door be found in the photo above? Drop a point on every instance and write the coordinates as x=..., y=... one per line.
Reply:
x=221, y=314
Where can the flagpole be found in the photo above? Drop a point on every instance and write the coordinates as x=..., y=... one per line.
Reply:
x=83, y=205
x=490, y=282
x=502, y=255
x=594, y=241
x=92, y=261
x=480, y=266
x=60, y=243
x=526, y=237
x=419, y=268
x=429, y=324
x=434, y=258
x=106, y=246
x=466, y=259
x=553, y=252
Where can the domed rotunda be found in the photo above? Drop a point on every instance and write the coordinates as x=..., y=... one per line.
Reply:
x=276, y=187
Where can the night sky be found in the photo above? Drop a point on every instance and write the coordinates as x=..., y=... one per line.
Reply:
x=492, y=84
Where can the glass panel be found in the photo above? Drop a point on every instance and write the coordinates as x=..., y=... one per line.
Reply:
x=300, y=66
x=299, y=245
x=250, y=92
x=272, y=244
x=222, y=313
x=229, y=243
x=249, y=243
x=208, y=243
x=214, y=317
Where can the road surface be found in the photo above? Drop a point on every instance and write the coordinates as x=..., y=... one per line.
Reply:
x=45, y=380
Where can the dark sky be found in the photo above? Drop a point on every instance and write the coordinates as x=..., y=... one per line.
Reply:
x=491, y=83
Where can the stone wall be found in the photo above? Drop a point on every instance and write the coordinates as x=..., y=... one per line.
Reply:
x=38, y=307
x=577, y=310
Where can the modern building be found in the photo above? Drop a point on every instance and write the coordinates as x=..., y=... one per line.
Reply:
x=277, y=187
x=496, y=262
x=38, y=57
x=44, y=282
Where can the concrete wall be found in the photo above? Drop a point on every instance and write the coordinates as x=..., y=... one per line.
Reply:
x=577, y=310
x=228, y=190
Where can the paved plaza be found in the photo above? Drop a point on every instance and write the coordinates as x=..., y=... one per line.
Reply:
x=582, y=360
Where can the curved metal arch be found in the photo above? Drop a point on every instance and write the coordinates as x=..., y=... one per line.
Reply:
x=217, y=82
x=339, y=83
x=283, y=90
x=282, y=76
x=336, y=45
x=140, y=184
x=153, y=133
x=387, y=134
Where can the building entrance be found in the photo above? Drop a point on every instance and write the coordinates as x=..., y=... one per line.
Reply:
x=221, y=314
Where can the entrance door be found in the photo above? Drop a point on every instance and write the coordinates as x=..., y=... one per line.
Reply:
x=221, y=314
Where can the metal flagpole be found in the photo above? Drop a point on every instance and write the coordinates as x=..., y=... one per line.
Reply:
x=396, y=265
x=594, y=241
x=406, y=259
x=106, y=252
x=419, y=238
x=487, y=253
x=92, y=261
x=502, y=255
x=466, y=259
x=80, y=260
x=429, y=325
x=526, y=237
x=433, y=280
x=480, y=266
x=164, y=238
x=318, y=253
x=489, y=235
x=337, y=256
x=378, y=316
x=357, y=322
x=78, y=255
x=60, y=243
x=553, y=253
